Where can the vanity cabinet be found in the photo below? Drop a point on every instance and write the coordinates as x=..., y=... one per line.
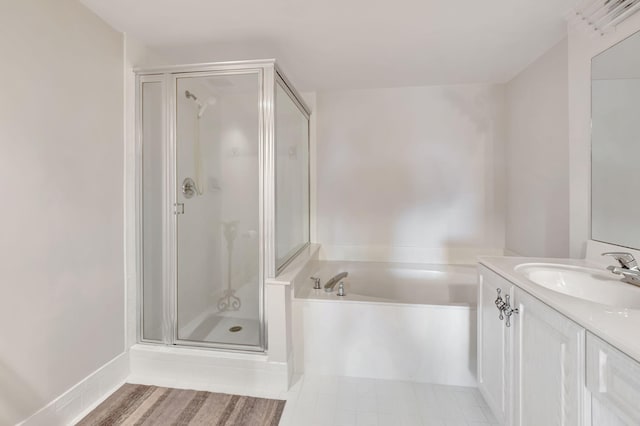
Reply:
x=613, y=379
x=548, y=349
x=494, y=367
x=530, y=373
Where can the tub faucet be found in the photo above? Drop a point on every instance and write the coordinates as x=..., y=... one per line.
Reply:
x=628, y=267
x=328, y=287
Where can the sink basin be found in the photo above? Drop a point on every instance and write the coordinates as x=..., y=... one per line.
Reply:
x=599, y=286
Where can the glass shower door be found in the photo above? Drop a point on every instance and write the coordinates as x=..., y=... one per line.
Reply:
x=218, y=292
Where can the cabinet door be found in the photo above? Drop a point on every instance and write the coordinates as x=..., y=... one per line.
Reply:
x=614, y=381
x=548, y=365
x=493, y=348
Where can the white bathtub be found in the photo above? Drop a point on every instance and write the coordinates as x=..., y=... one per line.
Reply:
x=397, y=321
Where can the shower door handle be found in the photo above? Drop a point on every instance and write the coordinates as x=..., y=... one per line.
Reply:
x=188, y=188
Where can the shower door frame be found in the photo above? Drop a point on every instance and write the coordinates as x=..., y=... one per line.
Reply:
x=267, y=73
x=281, y=80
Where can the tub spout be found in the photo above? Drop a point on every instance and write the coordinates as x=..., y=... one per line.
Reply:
x=328, y=287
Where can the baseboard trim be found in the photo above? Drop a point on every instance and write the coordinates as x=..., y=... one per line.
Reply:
x=207, y=370
x=79, y=400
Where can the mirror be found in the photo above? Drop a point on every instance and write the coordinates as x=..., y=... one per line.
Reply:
x=615, y=144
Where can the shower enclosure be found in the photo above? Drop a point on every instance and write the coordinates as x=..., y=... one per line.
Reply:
x=222, y=199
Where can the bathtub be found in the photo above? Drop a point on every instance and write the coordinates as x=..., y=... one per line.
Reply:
x=396, y=321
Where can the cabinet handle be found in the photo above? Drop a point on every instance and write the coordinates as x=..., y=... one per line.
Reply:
x=508, y=311
x=500, y=304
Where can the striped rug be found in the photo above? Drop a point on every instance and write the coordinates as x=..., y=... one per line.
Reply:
x=152, y=405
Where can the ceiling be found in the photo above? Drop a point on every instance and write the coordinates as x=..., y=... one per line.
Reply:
x=337, y=44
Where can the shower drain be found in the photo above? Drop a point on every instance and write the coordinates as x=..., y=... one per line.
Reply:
x=235, y=329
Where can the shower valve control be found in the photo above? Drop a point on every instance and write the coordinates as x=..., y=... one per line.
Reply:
x=189, y=188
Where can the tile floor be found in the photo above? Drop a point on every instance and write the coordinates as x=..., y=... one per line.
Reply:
x=344, y=401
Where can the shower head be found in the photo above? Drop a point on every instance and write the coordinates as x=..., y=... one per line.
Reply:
x=190, y=95
x=203, y=107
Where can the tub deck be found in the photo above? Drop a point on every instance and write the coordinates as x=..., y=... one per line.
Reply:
x=452, y=285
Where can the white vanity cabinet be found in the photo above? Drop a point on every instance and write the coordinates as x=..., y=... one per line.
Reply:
x=548, y=379
x=530, y=373
x=613, y=380
x=493, y=350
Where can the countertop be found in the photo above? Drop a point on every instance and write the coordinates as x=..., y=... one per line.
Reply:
x=620, y=327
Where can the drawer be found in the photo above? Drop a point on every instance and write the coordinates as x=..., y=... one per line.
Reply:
x=614, y=379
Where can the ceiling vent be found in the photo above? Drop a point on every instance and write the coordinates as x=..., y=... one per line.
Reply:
x=602, y=16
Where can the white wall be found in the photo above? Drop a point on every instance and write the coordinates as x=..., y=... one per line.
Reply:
x=410, y=174
x=583, y=46
x=61, y=171
x=537, y=157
